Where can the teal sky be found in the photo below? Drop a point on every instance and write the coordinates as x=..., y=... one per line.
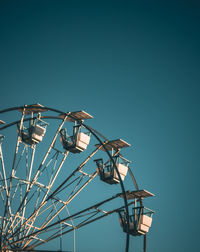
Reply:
x=134, y=66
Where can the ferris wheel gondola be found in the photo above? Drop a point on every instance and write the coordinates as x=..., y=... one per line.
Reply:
x=107, y=171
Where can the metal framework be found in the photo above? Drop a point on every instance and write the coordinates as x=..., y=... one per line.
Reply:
x=35, y=199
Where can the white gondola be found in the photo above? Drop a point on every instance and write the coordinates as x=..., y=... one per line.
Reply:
x=76, y=143
x=34, y=133
x=140, y=219
x=79, y=140
x=139, y=222
x=107, y=171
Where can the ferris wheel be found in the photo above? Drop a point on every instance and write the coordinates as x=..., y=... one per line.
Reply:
x=52, y=168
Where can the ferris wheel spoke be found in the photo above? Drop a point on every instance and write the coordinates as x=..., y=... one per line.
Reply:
x=30, y=226
x=51, y=182
x=45, y=194
x=22, y=229
x=27, y=176
x=79, y=215
x=64, y=204
x=4, y=185
x=27, y=231
x=8, y=208
x=69, y=200
x=101, y=214
x=72, y=195
x=62, y=186
x=59, y=189
x=34, y=180
x=3, y=188
x=53, y=209
x=15, y=166
x=53, y=176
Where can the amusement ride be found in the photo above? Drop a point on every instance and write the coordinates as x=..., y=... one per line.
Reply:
x=48, y=160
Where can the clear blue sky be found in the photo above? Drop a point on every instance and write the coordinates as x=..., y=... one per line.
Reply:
x=133, y=65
